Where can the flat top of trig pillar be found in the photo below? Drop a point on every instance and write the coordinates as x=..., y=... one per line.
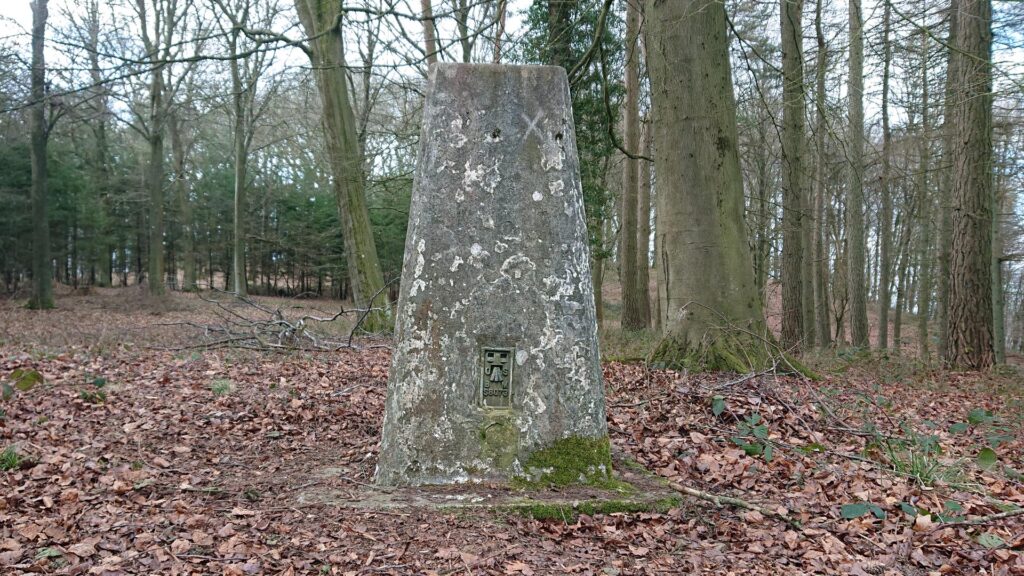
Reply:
x=455, y=67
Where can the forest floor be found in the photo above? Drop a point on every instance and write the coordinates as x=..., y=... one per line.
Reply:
x=129, y=458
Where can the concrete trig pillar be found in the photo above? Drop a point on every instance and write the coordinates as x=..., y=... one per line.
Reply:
x=496, y=356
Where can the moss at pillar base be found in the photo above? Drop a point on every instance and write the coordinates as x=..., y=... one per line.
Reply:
x=570, y=461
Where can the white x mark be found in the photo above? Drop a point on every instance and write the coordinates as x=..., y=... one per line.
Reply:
x=533, y=125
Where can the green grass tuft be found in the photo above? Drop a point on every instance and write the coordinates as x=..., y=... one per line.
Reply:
x=10, y=459
x=221, y=387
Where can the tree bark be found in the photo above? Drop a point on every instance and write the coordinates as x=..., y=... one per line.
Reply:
x=856, y=281
x=238, y=99
x=103, y=243
x=885, y=214
x=711, y=311
x=181, y=187
x=321, y=20
x=970, y=328
x=559, y=32
x=643, y=244
x=429, y=39
x=792, y=174
x=946, y=183
x=462, y=8
x=632, y=292
x=499, y=25
x=823, y=331
x=42, y=270
x=155, y=183
x=998, y=297
x=925, y=213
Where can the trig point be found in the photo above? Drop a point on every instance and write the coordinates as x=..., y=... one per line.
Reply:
x=496, y=374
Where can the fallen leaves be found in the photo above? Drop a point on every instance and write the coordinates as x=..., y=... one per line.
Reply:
x=166, y=476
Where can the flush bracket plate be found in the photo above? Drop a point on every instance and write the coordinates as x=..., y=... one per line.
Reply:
x=496, y=377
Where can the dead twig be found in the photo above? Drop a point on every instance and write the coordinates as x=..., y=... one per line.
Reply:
x=247, y=324
x=983, y=520
x=719, y=500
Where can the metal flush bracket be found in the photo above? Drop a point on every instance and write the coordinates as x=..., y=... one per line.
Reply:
x=496, y=377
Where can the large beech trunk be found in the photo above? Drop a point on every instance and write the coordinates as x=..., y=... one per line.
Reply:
x=712, y=320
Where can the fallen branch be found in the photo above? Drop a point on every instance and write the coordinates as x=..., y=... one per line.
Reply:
x=719, y=500
x=982, y=520
x=245, y=323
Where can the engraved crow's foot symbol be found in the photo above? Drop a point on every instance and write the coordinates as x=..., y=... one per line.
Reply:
x=497, y=375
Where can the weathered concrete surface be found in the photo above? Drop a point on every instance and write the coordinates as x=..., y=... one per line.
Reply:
x=497, y=258
x=637, y=490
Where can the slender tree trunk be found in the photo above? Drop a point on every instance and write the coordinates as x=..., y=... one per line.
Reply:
x=970, y=328
x=632, y=309
x=998, y=303
x=925, y=213
x=103, y=244
x=499, y=25
x=429, y=39
x=42, y=269
x=792, y=173
x=643, y=245
x=462, y=8
x=559, y=32
x=902, y=274
x=762, y=250
x=856, y=283
x=598, y=280
x=155, y=184
x=946, y=183
x=320, y=21
x=181, y=188
x=885, y=214
x=712, y=320
x=823, y=332
x=238, y=101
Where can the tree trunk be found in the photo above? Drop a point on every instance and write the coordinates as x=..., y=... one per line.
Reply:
x=711, y=312
x=155, y=184
x=42, y=269
x=499, y=25
x=998, y=297
x=925, y=213
x=181, y=188
x=598, y=278
x=792, y=174
x=238, y=101
x=885, y=214
x=643, y=245
x=429, y=38
x=902, y=274
x=823, y=331
x=632, y=292
x=946, y=183
x=856, y=283
x=560, y=32
x=969, y=332
x=103, y=243
x=320, y=19
x=462, y=8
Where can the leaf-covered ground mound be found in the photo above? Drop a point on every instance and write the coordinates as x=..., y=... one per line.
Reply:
x=130, y=459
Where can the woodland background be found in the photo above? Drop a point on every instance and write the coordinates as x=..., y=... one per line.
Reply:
x=186, y=142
